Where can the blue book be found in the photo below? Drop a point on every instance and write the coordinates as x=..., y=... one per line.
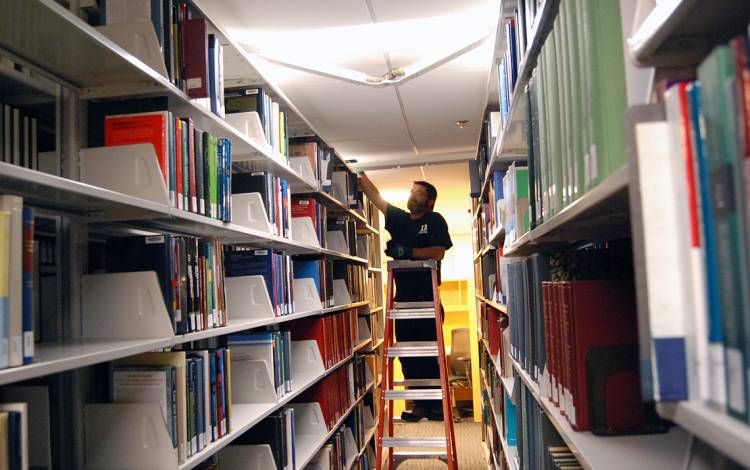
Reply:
x=502, y=77
x=213, y=54
x=28, y=285
x=214, y=400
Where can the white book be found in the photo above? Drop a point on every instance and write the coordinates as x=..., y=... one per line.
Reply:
x=204, y=354
x=664, y=210
x=24, y=441
x=14, y=206
x=290, y=447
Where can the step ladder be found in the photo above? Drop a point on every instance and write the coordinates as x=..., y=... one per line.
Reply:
x=442, y=448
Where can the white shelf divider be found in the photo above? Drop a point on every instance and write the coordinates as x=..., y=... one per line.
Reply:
x=309, y=428
x=303, y=231
x=306, y=295
x=335, y=241
x=350, y=447
x=139, y=39
x=246, y=457
x=134, y=436
x=249, y=125
x=303, y=167
x=252, y=382
x=247, y=298
x=248, y=211
x=341, y=293
x=128, y=169
x=123, y=306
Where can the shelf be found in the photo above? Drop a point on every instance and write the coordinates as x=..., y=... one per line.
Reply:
x=600, y=214
x=728, y=435
x=512, y=143
x=375, y=270
x=369, y=435
x=500, y=307
x=376, y=309
x=342, y=256
x=50, y=358
x=681, y=33
x=511, y=454
x=338, y=209
x=362, y=345
x=614, y=452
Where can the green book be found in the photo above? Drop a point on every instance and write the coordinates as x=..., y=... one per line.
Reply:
x=213, y=175
x=586, y=126
x=574, y=77
x=553, y=91
x=541, y=140
x=561, y=122
x=725, y=166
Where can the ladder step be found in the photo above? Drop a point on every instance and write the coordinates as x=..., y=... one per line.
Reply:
x=411, y=313
x=426, y=442
x=417, y=383
x=400, y=455
x=413, y=349
x=415, y=394
x=428, y=304
x=410, y=264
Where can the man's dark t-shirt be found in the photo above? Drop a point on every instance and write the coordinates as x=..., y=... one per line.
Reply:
x=426, y=231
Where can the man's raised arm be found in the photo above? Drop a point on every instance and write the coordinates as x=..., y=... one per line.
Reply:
x=372, y=193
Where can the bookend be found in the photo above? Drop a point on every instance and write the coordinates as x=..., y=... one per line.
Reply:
x=123, y=306
x=613, y=377
x=247, y=298
x=303, y=167
x=363, y=330
x=252, y=382
x=139, y=39
x=335, y=241
x=341, y=293
x=134, y=436
x=350, y=447
x=248, y=124
x=307, y=362
x=306, y=295
x=369, y=418
x=248, y=211
x=241, y=457
x=309, y=428
x=303, y=231
x=127, y=169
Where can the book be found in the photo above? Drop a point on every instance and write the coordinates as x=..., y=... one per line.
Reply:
x=29, y=267
x=18, y=434
x=140, y=128
x=5, y=291
x=14, y=206
x=195, y=45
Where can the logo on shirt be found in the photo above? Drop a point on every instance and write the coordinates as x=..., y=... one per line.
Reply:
x=423, y=229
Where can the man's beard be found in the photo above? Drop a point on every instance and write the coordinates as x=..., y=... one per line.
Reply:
x=415, y=206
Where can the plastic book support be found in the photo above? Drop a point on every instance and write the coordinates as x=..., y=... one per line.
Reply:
x=363, y=330
x=248, y=211
x=303, y=231
x=128, y=169
x=246, y=457
x=341, y=293
x=303, y=166
x=249, y=124
x=123, y=306
x=335, y=241
x=306, y=295
x=247, y=298
x=350, y=447
x=307, y=363
x=139, y=39
x=115, y=431
x=309, y=426
x=251, y=382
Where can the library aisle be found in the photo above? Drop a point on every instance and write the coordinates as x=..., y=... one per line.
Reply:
x=199, y=199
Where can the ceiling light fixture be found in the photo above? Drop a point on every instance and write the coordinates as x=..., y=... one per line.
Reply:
x=463, y=123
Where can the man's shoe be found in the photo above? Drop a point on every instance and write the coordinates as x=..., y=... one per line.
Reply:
x=435, y=414
x=413, y=415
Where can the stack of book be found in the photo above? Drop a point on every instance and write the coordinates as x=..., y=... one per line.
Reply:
x=355, y=277
x=275, y=194
x=344, y=187
x=276, y=268
x=346, y=228
x=277, y=431
x=535, y=434
x=18, y=137
x=332, y=456
x=576, y=99
x=193, y=389
x=332, y=332
x=272, y=118
x=192, y=56
x=308, y=206
x=318, y=154
x=18, y=275
x=196, y=166
x=357, y=370
x=332, y=394
x=321, y=271
x=190, y=273
x=272, y=347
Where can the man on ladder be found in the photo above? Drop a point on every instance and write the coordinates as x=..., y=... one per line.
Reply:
x=420, y=234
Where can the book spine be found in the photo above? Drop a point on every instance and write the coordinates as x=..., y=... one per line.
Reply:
x=14, y=206
x=4, y=286
x=28, y=285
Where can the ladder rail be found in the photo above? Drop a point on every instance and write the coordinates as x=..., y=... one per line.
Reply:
x=387, y=383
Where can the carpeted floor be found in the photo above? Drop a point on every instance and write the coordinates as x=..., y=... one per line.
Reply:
x=471, y=454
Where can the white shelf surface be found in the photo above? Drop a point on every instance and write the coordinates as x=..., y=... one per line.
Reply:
x=493, y=304
x=50, y=358
x=657, y=451
x=511, y=454
x=721, y=431
x=363, y=345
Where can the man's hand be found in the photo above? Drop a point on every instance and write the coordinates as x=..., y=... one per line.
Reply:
x=397, y=251
x=365, y=185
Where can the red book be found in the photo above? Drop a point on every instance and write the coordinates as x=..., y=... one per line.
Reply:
x=178, y=161
x=554, y=340
x=547, y=296
x=311, y=328
x=219, y=393
x=195, y=47
x=603, y=314
x=494, y=333
x=142, y=128
x=305, y=207
x=566, y=376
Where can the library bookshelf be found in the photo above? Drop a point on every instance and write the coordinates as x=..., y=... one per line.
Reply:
x=56, y=67
x=658, y=41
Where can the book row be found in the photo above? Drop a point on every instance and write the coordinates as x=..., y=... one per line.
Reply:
x=574, y=329
x=193, y=57
x=273, y=119
x=576, y=97
x=193, y=389
x=190, y=273
x=488, y=269
x=334, y=395
x=334, y=333
x=271, y=347
x=276, y=268
x=196, y=166
x=702, y=351
x=275, y=194
x=18, y=273
x=18, y=137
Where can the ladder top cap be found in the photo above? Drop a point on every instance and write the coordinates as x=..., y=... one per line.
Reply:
x=412, y=264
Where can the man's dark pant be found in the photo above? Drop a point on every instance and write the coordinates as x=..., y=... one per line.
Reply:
x=419, y=367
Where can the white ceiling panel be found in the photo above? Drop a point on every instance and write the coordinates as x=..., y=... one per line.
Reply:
x=289, y=15
x=399, y=10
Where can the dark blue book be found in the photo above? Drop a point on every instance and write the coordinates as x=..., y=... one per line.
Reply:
x=214, y=399
x=14, y=440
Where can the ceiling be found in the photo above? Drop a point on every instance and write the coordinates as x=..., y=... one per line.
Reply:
x=410, y=124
